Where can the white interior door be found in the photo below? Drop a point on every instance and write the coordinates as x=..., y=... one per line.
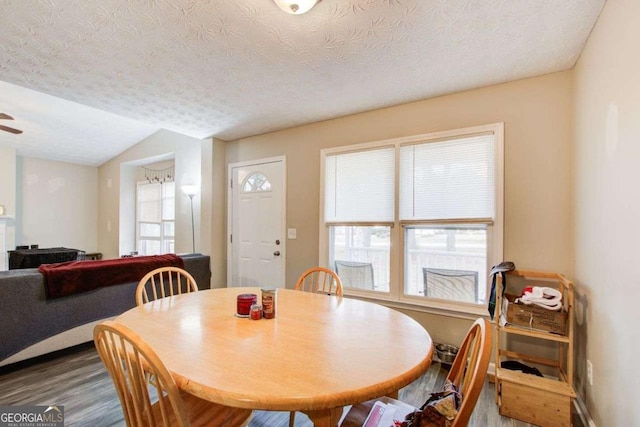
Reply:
x=256, y=224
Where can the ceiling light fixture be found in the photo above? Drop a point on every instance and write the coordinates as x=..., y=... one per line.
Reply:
x=296, y=7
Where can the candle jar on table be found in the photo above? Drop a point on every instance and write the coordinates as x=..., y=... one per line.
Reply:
x=244, y=303
x=256, y=312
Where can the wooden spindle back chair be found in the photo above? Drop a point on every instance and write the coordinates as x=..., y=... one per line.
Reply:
x=320, y=280
x=163, y=282
x=129, y=361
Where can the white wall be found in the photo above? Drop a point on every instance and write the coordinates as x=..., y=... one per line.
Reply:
x=116, y=232
x=8, y=180
x=8, y=200
x=537, y=117
x=215, y=211
x=58, y=204
x=607, y=209
x=127, y=218
x=538, y=179
x=188, y=172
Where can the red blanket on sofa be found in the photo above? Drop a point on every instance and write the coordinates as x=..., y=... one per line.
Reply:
x=68, y=278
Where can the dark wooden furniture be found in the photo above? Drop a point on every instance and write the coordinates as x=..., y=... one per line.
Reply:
x=33, y=258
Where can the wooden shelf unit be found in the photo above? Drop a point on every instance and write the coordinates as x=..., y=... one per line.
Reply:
x=544, y=401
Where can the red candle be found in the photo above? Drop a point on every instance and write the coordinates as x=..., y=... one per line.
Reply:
x=256, y=312
x=244, y=303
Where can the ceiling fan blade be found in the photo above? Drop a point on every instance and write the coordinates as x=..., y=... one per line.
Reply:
x=4, y=116
x=12, y=130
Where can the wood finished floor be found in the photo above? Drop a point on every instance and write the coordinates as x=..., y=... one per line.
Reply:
x=79, y=382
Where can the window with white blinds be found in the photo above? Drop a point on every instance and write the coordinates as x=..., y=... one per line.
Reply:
x=359, y=186
x=155, y=218
x=448, y=180
x=417, y=219
x=149, y=202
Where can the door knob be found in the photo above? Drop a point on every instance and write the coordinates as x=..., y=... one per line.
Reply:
x=276, y=253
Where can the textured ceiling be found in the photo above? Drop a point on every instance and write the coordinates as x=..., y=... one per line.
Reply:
x=234, y=68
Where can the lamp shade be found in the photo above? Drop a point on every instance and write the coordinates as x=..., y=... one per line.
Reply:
x=296, y=7
x=190, y=190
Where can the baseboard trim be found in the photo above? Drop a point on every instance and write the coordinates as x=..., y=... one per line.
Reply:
x=583, y=412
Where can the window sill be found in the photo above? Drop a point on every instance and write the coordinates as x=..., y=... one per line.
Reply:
x=448, y=309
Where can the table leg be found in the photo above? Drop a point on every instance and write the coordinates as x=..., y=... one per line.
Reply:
x=325, y=417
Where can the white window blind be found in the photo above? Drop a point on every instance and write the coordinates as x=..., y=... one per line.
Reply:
x=149, y=199
x=156, y=218
x=359, y=186
x=452, y=179
x=168, y=201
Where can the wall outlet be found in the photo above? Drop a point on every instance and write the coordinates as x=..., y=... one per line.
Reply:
x=589, y=372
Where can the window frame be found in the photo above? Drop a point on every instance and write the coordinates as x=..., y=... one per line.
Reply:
x=163, y=239
x=495, y=229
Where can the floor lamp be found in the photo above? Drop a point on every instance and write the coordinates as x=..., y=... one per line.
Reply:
x=191, y=190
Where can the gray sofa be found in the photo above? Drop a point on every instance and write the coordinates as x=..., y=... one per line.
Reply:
x=31, y=325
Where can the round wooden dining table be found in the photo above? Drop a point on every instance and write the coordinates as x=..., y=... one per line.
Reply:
x=319, y=354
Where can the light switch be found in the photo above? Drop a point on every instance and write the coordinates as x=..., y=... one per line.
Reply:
x=291, y=233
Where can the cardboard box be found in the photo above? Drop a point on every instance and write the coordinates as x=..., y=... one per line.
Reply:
x=534, y=317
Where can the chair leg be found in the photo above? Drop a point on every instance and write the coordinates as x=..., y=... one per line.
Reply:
x=248, y=420
x=292, y=418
